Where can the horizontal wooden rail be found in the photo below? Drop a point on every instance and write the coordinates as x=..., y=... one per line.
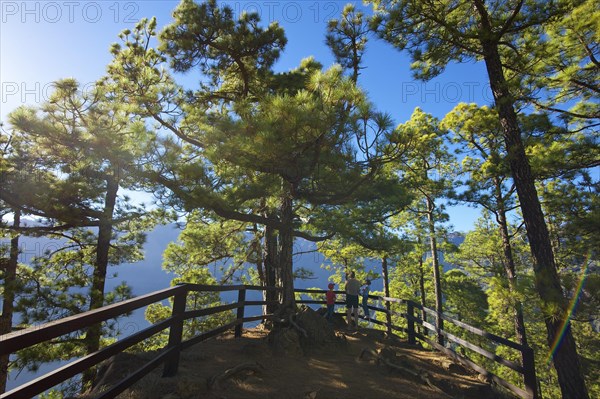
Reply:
x=10, y=343
x=14, y=341
x=527, y=370
x=392, y=300
x=492, y=356
x=190, y=314
x=209, y=334
x=474, y=366
x=169, y=357
x=316, y=291
x=472, y=329
x=316, y=302
x=224, y=288
x=50, y=379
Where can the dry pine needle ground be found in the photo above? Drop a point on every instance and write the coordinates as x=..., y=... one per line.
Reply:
x=360, y=367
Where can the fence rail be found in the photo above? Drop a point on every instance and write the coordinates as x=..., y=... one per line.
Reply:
x=527, y=369
x=12, y=342
x=169, y=357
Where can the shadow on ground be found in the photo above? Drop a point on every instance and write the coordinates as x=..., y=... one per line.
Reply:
x=360, y=364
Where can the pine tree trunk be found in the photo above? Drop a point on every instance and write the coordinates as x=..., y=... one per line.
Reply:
x=386, y=276
x=439, y=322
x=386, y=292
x=8, y=300
x=510, y=270
x=547, y=282
x=270, y=262
x=424, y=331
x=260, y=265
x=94, y=333
x=286, y=245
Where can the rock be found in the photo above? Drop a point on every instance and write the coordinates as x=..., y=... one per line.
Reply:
x=318, y=331
x=285, y=342
x=452, y=367
x=306, y=330
x=388, y=354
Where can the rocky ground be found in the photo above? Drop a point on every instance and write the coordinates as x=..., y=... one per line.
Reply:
x=308, y=360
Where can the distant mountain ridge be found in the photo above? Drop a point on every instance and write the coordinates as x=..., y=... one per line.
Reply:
x=148, y=275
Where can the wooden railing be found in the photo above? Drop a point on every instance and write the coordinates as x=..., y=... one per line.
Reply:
x=527, y=369
x=10, y=343
x=169, y=357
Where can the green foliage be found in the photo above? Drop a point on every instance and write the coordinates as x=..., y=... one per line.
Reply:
x=56, y=285
x=234, y=152
x=557, y=152
x=477, y=135
x=436, y=33
x=234, y=54
x=347, y=39
x=565, y=65
x=249, y=144
x=343, y=257
x=222, y=245
x=429, y=168
x=465, y=298
x=405, y=277
x=571, y=209
x=480, y=256
x=427, y=164
x=82, y=146
x=590, y=348
x=79, y=140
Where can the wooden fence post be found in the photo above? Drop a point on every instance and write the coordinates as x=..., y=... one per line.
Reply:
x=388, y=316
x=240, y=312
x=529, y=376
x=439, y=327
x=175, y=334
x=410, y=313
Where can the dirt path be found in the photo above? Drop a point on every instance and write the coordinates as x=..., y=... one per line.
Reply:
x=331, y=372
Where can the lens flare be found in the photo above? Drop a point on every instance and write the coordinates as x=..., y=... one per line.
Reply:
x=570, y=310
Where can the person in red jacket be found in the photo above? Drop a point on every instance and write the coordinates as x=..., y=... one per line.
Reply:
x=330, y=298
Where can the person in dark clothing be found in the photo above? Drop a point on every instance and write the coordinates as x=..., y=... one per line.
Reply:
x=352, y=287
x=364, y=293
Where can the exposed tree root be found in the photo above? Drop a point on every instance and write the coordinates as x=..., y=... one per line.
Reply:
x=297, y=327
x=213, y=383
x=415, y=372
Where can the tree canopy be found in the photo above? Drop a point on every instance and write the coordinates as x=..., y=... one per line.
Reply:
x=250, y=159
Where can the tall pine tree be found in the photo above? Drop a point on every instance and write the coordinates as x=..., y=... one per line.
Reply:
x=497, y=32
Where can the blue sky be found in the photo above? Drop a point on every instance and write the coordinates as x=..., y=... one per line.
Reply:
x=42, y=41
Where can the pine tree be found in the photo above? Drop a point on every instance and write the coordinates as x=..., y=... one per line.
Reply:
x=84, y=142
x=496, y=32
x=347, y=38
x=430, y=169
x=265, y=148
x=478, y=134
